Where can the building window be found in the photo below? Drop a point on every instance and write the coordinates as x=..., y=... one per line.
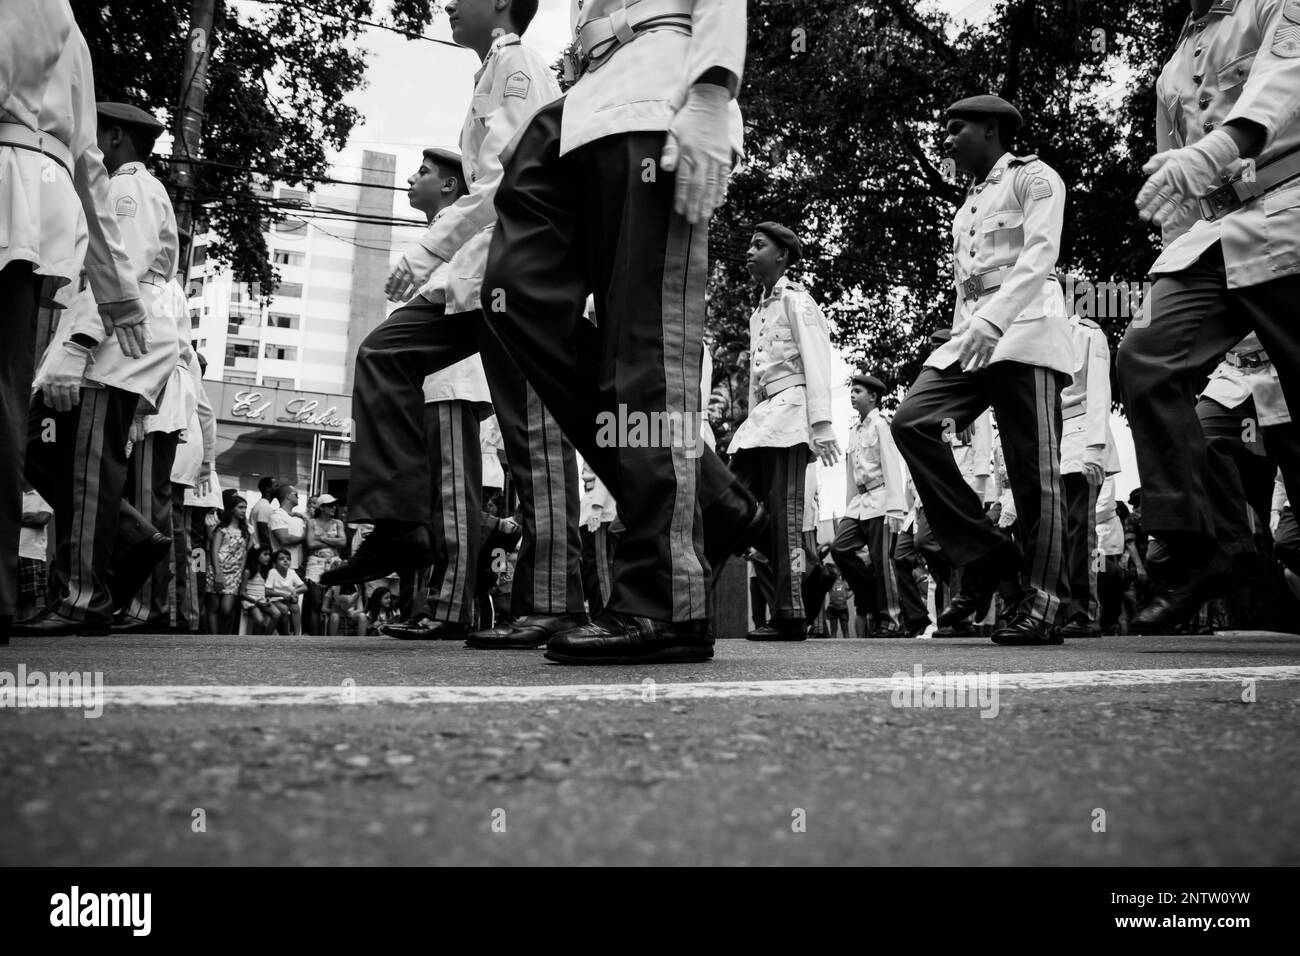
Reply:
x=282, y=257
x=200, y=255
x=290, y=289
x=238, y=350
x=291, y=227
x=240, y=378
x=293, y=195
x=270, y=382
x=283, y=353
x=196, y=288
x=281, y=320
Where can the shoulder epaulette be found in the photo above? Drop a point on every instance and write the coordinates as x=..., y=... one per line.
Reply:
x=1022, y=160
x=1089, y=323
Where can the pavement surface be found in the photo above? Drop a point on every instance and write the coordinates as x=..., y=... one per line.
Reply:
x=274, y=750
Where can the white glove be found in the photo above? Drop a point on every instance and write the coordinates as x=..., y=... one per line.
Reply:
x=1178, y=177
x=61, y=382
x=978, y=341
x=894, y=523
x=129, y=322
x=828, y=448
x=411, y=272
x=699, y=149
x=136, y=433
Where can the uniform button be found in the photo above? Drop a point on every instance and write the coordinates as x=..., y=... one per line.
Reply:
x=1001, y=222
x=1199, y=50
x=1197, y=79
x=1205, y=100
x=1208, y=127
x=973, y=209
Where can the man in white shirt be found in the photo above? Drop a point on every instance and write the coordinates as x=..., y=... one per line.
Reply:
x=288, y=529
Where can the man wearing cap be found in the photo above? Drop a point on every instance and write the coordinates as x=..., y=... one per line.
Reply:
x=106, y=547
x=876, y=508
x=789, y=419
x=48, y=150
x=425, y=336
x=1087, y=456
x=1224, y=187
x=1010, y=348
x=456, y=400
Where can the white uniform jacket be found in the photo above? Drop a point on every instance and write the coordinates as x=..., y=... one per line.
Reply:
x=1085, y=401
x=1110, y=530
x=465, y=380
x=1246, y=372
x=1239, y=61
x=1006, y=235
x=55, y=213
x=876, y=475
x=642, y=84
x=512, y=84
x=178, y=400
x=789, y=371
x=597, y=506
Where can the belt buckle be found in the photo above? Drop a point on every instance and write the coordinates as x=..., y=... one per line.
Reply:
x=972, y=288
x=1219, y=203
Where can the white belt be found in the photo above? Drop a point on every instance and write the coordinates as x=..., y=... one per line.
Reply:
x=1237, y=191
x=764, y=392
x=984, y=283
x=1074, y=411
x=19, y=136
x=600, y=36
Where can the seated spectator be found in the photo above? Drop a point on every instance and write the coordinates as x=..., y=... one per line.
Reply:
x=33, y=547
x=262, y=616
x=284, y=588
x=380, y=609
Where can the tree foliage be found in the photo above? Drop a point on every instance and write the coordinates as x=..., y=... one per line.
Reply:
x=278, y=78
x=844, y=104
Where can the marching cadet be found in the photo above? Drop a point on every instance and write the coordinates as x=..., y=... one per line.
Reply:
x=1224, y=187
x=647, y=135
x=1010, y=348
x=1086, y=446
x=789, y=418
x=105, y=547
x=877, y=507
x=1249, y=436
x=390, y=480
x=48, y=150
x=456, y=401
x=148, y=224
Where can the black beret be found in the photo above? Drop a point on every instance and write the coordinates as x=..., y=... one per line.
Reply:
x=985, y=106
x=782, y=237
x=447, y=157
x=869, y=382
x=124, y=114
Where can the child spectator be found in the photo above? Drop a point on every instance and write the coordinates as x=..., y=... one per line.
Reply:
x=262, y=615
x=229, y=554
x=284, y=588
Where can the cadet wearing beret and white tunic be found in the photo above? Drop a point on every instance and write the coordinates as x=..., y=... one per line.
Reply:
x=57, y=218
x=789, y=419
x=1010, y=348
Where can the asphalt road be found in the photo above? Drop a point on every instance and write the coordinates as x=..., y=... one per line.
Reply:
x=496, y=758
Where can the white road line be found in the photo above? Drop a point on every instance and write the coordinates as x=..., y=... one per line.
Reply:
x=649, y=689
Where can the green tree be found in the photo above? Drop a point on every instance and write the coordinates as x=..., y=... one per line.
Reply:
x=275, y=106
x=843, y=106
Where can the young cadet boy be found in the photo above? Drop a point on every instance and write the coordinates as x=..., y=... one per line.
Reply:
x=48, y=149
x=1010, y=348
x=90, y=391
x=390, y=473
x=789, y=419
x=456, y=400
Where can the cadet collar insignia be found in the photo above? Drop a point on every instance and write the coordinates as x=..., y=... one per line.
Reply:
x=995, y=176
x=1224, y=6
x=128, y=169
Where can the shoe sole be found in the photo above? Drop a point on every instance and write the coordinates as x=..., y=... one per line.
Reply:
x=793, y=639
x=665, y=655
x=1018, y=642
x=500, y=646
x=347, y=576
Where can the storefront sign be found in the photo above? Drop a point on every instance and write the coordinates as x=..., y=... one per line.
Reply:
x=280, y=408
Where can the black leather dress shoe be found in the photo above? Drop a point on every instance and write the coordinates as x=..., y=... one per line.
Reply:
x=425, y=629
x=1080, y=627
x=780, y=629
x=979, y=581
x=382, y=554
x=524, y=633
x=56, y=625
x=958, y=630
x=616, y=638
x=1176, y=603
x=1025, y=631
x=130, y=625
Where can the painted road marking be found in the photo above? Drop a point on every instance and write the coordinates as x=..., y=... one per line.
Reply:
x=345, y=693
